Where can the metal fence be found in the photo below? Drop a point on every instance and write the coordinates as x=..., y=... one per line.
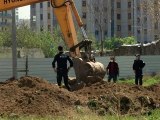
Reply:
x=42, y=67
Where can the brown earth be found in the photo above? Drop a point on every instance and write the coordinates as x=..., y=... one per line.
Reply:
x=35, y=96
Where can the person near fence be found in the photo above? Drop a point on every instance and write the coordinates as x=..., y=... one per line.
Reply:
x=112, y=70
x=138, y=65
x=62, y=68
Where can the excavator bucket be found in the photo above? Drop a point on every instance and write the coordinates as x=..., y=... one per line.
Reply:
x=88, y=72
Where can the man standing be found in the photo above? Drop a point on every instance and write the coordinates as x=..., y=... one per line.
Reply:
x=112, y=69
x=138, y=65
x=61, y=68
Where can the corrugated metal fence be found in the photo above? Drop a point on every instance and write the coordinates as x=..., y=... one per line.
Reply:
x=42, y=67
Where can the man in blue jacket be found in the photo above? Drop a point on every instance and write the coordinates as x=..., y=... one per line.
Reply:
x=138, y=65
x=61, y=68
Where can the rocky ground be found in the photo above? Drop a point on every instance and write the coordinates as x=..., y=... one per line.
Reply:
x=35, y=96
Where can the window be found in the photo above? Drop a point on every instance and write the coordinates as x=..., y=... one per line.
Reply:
x=129, y=28
x=33, y=6
x=84, y=15
x=105, y=20
x=118, y=4
x=84, y=3
x=105, y=9
x=138, y=8
x=41, y=5
x=49, y=16
x=145, y=31
x=5, y=21
x=96, y=21
x=96, y=32
x=118, y=27
x=118, y=16
x=96, y=9
x=138, y=20
x=49, y=27
x=41, y=16
x=129, y=16
x=48, y=4
x=145, y=19
x=105, y=32
x=138, y=31
x=41, y=29
x=129, y=5
x=85, y=26
x=156, y=25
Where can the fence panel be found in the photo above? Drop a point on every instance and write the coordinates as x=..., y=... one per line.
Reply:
x=42, y=67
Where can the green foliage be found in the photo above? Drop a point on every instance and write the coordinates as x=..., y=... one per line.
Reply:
x=26, y=38
x=129, y=40
x=90, y=116
x=1, y=39
x=147, y=80
x=112, y=43
x=5, y=37
x=49, y=43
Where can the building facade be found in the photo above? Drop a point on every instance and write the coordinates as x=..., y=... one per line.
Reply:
x=42, y=17
x=107, y=18
x=135, y=18
x=6, y=19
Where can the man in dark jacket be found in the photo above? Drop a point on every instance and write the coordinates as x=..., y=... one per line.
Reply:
x=61, y=68
x=138, y=65
x=112, y=69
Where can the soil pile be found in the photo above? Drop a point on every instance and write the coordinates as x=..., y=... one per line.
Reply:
x=112, y=98
x=35, y=96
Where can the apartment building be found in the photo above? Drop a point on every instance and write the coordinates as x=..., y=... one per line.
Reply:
x=42, y=17
x=106, y=18
x=135, y=18
x=95, y=14
x=6, y=19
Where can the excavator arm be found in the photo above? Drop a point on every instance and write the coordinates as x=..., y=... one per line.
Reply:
x=64, y=10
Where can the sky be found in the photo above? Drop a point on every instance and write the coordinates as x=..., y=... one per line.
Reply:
x=24, y=12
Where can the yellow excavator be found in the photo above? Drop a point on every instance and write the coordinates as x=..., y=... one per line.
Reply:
x=64, y=10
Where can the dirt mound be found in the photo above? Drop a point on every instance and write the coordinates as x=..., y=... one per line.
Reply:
x=35, y=96
x=105, y=97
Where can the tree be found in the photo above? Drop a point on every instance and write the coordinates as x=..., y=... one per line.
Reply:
x=6, y=38
x=49, y=42
x=112, y=43
x=99, y=14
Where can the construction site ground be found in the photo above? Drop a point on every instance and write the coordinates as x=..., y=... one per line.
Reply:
x=35, y=96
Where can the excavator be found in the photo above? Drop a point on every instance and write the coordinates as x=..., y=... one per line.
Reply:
x=86, y=71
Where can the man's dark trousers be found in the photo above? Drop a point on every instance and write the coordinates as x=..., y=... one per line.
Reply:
x=62, y=73
x=138, y=79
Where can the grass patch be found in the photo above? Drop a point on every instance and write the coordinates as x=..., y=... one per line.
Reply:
x=147, y=80
x=92, y=116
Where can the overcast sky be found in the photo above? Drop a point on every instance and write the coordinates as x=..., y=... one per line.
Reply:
x=24, y=12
